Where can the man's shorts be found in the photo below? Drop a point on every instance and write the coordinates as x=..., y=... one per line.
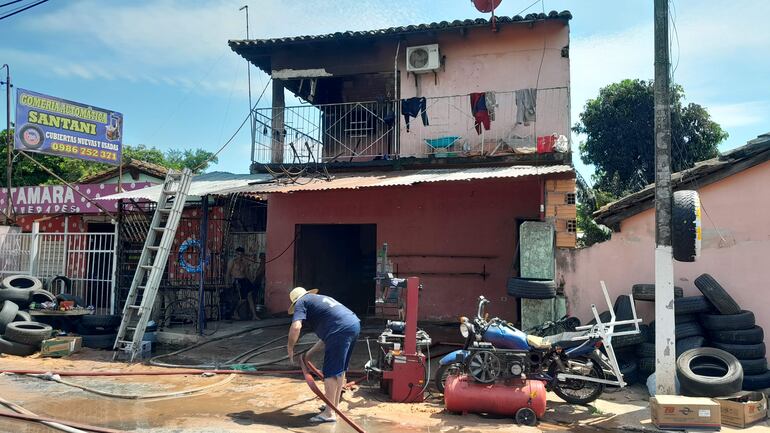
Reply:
x=339, y=349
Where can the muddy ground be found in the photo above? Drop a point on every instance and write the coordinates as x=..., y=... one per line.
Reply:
x=269, y=403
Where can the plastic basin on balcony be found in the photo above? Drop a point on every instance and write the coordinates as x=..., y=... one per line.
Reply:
x=441, y=143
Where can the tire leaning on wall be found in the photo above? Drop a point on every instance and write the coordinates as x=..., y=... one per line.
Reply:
x=686, y=226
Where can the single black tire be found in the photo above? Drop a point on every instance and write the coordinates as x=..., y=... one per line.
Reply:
x=42, y=296
x=93, y=330
x=31, y=136
x=753, y=366
x=531, y=288
x=728, y=322
x=559, y=387
x=108, y=321
x=630, y=371
x=54, y=284
x=743, y=351
x=692, y=305
x=623, y=311
x=647, y=365
x=443, y=372
x=18, y=349
x=646, y=350
x=604, y=316
x=711, y=289
x=693, y=384
x=753, y=335
x=20, y=297
x=7, y=314
x=23, y=316
x=526, y=416
x=99, y=341
x=32, y=333
x=623, y=341
x=22, y=282
x=685, y=222
x=689, y=343
x=756, y=382
x=646, y=292
x=690, y=329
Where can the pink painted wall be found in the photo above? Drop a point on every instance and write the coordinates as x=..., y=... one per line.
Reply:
x=464, y=218
x=735, y=251
x=482, y=61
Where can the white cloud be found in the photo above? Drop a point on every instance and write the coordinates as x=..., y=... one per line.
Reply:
x=740, y=114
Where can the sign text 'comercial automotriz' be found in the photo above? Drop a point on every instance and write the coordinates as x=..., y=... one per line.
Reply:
x=59, y=127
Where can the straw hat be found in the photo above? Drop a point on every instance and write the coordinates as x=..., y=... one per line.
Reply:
x=297, y=293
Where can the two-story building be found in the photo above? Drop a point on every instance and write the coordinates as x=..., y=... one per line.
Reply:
x=438, y=139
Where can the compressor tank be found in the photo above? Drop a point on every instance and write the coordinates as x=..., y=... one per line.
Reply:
x=462, y=394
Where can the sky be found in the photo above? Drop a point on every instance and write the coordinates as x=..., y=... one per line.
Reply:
x=166, y=65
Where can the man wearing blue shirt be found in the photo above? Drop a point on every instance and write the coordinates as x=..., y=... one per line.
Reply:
x=337, y=328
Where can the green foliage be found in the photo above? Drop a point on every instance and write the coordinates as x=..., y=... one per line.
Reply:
x=619, y=125
x=25, y=172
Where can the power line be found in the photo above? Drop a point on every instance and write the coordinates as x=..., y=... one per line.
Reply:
x=22, y=9
x=10, y=3
x=527, y=8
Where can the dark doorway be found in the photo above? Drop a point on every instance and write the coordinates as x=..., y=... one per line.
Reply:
x=339, y=260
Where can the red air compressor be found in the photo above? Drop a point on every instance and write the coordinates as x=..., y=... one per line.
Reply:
x=401, y=365
x=522, y=399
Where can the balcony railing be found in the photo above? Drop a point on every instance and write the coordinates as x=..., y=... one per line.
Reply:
x=363, y=131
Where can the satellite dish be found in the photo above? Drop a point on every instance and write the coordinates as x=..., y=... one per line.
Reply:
x=486, y=6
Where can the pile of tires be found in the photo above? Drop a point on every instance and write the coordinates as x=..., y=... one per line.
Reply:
x=23, y=290
x=733, y=330
x=21, y=336
x=98, y=331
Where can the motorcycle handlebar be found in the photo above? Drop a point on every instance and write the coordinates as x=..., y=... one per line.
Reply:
x=482, y=302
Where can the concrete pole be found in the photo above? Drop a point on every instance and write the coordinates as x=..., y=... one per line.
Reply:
x=665, y=342
x=9, y=138
x=279, y=105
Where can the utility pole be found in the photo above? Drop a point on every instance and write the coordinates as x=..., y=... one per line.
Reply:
x=248, y=73
x=9, y=139
x=665, y=343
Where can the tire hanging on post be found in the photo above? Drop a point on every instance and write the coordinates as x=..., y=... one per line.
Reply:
x=686, y=226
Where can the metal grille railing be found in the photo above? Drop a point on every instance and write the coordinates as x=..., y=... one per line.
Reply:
x=363, y=131
x=87, y=259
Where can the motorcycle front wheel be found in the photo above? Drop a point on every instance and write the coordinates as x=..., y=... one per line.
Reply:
x=453, y=368
x=577, y=391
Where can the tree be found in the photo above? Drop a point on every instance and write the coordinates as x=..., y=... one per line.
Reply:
x=26, y=172
x=619, y=125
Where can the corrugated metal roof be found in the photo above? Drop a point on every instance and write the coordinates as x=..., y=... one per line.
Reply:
x=401, y=178
x=235, y=44
x=209, y=183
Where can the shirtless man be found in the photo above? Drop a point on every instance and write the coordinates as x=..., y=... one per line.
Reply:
x=238, y=275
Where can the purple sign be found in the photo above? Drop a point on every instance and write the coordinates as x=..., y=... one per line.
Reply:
x=59, y=199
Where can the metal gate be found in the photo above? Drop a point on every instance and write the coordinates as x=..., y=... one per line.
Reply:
x=87, y=259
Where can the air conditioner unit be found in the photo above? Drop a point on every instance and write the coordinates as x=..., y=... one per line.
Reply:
x=422, y=58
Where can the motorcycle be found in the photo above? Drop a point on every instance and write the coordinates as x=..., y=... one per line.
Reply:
x=572, y=364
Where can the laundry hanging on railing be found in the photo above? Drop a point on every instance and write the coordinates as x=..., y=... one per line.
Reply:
x=526, y=105
x=412, y=107
x=491, y=101
x=480, y=111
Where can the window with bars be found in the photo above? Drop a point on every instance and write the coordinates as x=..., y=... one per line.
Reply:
x=569, y=198
x=572, y=226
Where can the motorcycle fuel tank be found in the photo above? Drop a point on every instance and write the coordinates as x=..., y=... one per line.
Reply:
x=463, y=395
x=506, y=337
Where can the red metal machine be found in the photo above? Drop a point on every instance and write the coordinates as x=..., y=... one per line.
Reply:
x=401, y=364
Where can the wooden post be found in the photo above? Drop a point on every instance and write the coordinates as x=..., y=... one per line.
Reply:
x=279, y=133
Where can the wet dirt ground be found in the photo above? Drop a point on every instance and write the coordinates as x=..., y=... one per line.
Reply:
x=269, y=403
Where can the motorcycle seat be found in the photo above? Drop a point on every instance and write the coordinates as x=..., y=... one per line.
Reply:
x=565, y=339
x=538, y=342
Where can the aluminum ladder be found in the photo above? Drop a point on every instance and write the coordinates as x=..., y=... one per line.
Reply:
x=152, y=264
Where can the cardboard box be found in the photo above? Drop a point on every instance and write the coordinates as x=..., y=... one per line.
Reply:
x=744, y=410
x=673, y=412
x=60, y=346
x=144, y=352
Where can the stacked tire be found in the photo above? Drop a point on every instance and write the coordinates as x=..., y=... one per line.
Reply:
x=734, y=331
x=99, y=331
x=688, y=332
x=20, y=335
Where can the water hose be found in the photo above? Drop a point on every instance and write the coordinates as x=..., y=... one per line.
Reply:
x=41, y=419
x=174, y=394
x=307, y=365
x=54, y=425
